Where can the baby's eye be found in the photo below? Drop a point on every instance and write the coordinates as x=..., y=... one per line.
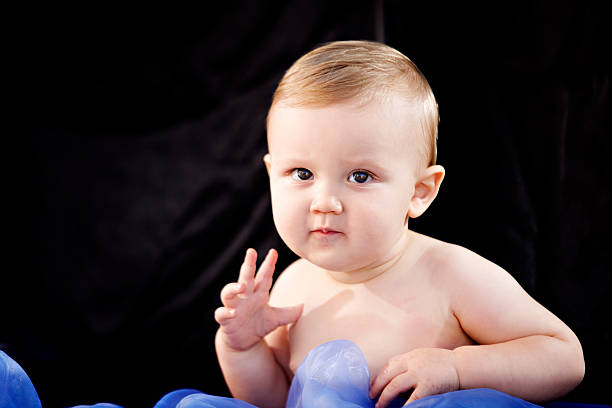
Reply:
x=301, y=174
x=360, y=177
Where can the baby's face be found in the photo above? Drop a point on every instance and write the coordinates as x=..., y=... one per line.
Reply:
x=341, y=179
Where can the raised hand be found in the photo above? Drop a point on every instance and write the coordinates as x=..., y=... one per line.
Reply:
x=246, y=317
x=426, y=371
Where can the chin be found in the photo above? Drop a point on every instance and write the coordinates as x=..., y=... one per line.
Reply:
x=333, y=261
x=332, y=258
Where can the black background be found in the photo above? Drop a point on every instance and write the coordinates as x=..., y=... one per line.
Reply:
x=136, y=179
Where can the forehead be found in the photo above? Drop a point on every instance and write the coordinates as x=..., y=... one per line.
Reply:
x=378, y=128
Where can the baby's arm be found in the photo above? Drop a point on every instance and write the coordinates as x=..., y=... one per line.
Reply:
x=247, y=362
x=524, y=350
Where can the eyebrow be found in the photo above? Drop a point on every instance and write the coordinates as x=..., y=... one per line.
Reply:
x=367, y=163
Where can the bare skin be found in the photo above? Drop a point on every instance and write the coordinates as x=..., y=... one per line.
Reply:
x=245, y=319
x=428, y=347
x=430, y=317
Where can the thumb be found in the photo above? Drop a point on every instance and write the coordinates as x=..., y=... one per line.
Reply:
x=287, y=315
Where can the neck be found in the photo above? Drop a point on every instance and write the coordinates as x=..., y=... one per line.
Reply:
x=379, y=268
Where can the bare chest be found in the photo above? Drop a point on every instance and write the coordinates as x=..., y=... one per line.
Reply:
x=381, y=327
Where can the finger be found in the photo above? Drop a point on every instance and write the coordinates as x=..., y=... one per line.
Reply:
x=224, y=314
x=263, y=280
x=230, y=292
x=396, y=386
x=287, y=315
x=247, y=270
x=392, y=369
x=418, y=393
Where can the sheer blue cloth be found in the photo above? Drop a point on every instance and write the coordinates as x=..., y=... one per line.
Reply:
x=16, y=389
x=333, y=375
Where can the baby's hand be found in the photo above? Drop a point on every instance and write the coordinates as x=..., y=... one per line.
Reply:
x=427, y=371
x=246, y=317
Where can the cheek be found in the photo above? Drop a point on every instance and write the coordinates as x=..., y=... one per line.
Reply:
x=380, y=218
x=288, y=213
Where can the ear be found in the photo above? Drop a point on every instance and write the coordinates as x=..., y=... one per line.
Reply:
x=268, y=160
x=425, y=190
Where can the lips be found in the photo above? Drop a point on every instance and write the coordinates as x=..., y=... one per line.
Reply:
x=325, y=231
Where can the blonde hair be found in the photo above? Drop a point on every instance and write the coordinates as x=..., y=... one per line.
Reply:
x=341, y=71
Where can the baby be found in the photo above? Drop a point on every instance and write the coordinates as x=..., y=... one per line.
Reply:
x=352, y=150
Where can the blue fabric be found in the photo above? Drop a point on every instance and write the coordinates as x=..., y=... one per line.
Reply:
x=201, y=400
x=477, y=398
x=334, y=374
x=172, y=399
x=559, y=404
x=16, y=389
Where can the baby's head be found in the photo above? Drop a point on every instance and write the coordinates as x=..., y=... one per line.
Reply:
x=352, y=148
x=361, y=72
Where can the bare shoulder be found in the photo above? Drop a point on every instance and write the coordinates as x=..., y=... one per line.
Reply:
x=489, y=303
x=456, y=266
x=289, y=287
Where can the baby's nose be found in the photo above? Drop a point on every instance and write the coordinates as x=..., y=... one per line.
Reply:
x=326, y=204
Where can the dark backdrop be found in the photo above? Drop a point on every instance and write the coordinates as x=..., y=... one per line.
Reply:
x=137, y=179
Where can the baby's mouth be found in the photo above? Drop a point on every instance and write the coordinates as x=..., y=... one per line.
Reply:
x=324, y=231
